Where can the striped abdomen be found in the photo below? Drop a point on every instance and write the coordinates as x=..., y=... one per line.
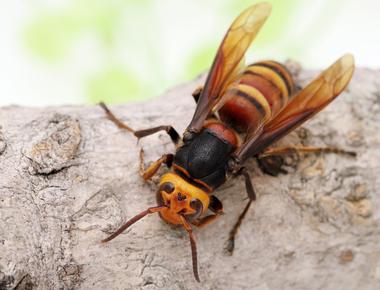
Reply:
x=263, y=89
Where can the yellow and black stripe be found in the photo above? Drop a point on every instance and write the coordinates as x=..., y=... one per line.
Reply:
x=262, y=90
x=281, y=71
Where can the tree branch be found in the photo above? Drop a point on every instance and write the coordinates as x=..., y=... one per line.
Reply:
x=69, y=177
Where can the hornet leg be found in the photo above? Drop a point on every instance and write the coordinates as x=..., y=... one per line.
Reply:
x=304, y=149
x=205, y=220
x=197, y=93
x=252, y=197
x=173, y=134
x=271, y=161
x=148, y=173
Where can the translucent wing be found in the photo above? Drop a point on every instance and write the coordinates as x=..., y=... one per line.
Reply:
x=313, y=98
x=230, y=53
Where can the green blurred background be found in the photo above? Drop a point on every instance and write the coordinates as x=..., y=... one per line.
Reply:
x=83, y=51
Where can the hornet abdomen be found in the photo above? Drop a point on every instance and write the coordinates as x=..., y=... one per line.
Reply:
x=263, y=89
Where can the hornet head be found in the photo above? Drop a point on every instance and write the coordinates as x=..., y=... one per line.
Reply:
x=179, y=203
x=181, y=199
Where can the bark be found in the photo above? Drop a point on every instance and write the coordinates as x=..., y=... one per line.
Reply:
x=69, y=177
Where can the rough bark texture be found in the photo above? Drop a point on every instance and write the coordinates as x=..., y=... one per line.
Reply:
x=68, y=177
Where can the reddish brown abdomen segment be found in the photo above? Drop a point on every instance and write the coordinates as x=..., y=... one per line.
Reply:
x=223, y=132
x=263, y=89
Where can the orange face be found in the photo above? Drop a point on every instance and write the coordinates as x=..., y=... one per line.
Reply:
x=181, y=198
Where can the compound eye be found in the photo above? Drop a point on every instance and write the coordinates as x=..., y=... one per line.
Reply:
x=197, y=205
x=168, y=187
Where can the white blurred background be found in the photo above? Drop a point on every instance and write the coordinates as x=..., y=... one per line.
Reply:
x=83, y=51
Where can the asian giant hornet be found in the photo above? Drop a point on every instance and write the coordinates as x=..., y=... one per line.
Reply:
x=240, y=111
